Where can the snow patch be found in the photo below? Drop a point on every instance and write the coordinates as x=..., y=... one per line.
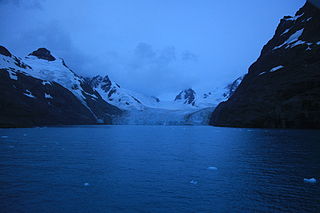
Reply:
x=46, y=82
x=47, y=96
x=29, y=94
x=273, y=70
x=276, y=68
x=293, y=38
x=294, y=18
x=287, y=30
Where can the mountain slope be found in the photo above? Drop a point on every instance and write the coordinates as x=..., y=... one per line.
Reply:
x=282, y=88
x=42, y=90
x=124, y=99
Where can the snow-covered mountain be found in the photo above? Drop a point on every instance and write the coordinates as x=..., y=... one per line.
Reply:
x=42, y=86
x=123, y=98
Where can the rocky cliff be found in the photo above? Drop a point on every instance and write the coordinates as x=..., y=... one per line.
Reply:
x=282, y=88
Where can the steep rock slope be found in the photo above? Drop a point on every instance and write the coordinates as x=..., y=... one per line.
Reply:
x=42, y=90
x=282, y=88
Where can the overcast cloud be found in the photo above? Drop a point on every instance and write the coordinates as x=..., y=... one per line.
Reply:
x=152, y=46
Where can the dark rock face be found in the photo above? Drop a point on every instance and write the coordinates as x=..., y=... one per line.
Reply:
x=187, y=96
x=282, y=88
x=43, y=53
x=27, y=102
x=4, y=51
x=98, y=106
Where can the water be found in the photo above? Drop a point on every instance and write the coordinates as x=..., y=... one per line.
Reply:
x=158, y=169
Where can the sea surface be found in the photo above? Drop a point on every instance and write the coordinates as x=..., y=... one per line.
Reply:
x=158, y=169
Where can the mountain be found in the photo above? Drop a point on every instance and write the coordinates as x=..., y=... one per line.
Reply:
x=282, y=88
x=124, y=99
x=186, y=96
x=191, y=98
x=41, y=90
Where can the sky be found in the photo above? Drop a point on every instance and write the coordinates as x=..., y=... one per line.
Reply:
x=155, y=47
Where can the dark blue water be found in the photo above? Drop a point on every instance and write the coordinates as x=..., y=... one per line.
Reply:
x=158, y=169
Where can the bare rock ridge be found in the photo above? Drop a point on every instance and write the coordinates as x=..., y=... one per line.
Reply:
x=282, y=88
x=43, y=53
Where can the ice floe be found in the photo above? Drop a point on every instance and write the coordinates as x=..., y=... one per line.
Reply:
x=309, y=180
x=194, y=182
x=212, y=168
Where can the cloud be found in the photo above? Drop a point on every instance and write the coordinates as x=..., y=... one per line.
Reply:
x=153, y=71
x=189, y=56
x=27, y=4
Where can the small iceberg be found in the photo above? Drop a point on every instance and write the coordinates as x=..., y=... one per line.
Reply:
x=212, y=168
x=194, y=182
x=86, y=184
x=309, y=180
x=4, y=136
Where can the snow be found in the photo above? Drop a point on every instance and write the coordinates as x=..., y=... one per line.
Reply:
x=12, y=74
x=308, y=19
x=310, y=180
x=57, y=72
x=294, y=18
x=287, y=30
x=272, y=70
x=48, y=96
x=293, y=38
x=160, y=116
x=46, y=82
x=276, y=68
x=29, y=94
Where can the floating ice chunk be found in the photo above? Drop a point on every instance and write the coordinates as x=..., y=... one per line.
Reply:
x=309, y=180
x=4, y=136
x=86, y=184
x=212, y=168
x=194, y=182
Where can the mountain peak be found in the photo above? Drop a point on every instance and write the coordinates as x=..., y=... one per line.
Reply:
x=43, y=53
x=4, y=51
x=188, y=96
